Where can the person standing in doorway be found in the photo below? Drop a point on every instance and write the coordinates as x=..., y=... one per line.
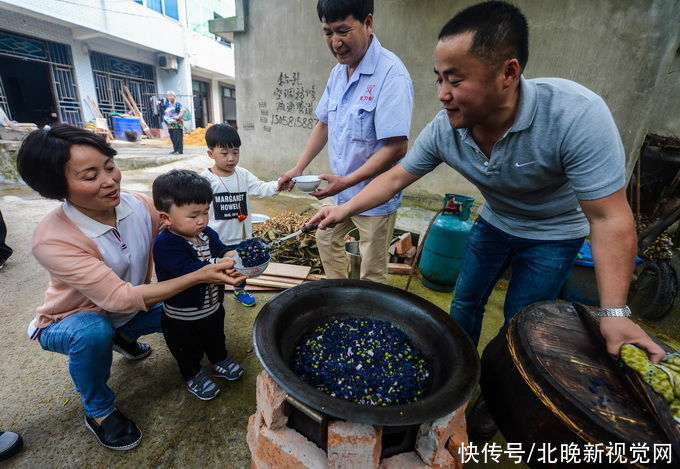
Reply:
x=365, y=117
x=173, y=119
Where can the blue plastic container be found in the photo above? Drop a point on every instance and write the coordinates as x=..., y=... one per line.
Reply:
x=581, y=285
x=122, y=124
x=443, y=250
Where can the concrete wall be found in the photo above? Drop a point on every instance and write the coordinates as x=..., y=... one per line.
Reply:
x=623, y=50
x=280, y=39
x=665, y=118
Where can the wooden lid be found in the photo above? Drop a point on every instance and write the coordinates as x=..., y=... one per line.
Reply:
x=572, y=375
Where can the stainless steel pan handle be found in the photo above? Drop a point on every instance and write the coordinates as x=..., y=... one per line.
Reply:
x=308, y=411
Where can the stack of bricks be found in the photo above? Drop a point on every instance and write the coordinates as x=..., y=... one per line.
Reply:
x=350, y=445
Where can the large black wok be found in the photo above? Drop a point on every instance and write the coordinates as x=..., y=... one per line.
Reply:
x=293, y=313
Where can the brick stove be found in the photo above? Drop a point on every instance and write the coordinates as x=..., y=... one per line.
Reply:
x=298, y=426
x=274, y=444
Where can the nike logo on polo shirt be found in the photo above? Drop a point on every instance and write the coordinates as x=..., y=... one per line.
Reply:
x=519, y=165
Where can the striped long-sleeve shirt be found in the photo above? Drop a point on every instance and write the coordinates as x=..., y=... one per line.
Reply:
x=175, y=256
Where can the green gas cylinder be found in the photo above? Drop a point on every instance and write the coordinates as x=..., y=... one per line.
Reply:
x=445, y=243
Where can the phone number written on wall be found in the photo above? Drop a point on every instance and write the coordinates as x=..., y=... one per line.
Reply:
x=294, y=121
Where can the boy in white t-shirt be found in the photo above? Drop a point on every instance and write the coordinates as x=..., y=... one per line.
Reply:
x=232, y=187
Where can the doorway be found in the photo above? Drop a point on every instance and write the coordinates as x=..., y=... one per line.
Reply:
x=201, y=102
x=28, y=90
x=229, y=105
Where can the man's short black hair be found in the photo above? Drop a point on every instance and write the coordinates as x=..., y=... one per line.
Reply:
x=180, y=187
x=222, y=135
x=43, y=155
x=337, y=10
x=500, y=31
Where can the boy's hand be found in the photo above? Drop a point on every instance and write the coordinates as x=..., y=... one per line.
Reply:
x=284, y=186
x=286, y=179
x=228, y=257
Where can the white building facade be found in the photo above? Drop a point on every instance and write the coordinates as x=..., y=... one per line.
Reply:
x=58, y=56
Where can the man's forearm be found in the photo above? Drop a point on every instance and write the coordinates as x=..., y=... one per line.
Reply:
x=613, y=237
x=379, y=190
x=614, y=250
x=380, y=161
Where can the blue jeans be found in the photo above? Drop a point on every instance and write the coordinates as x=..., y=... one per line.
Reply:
x=87, y=338
x=539, y=268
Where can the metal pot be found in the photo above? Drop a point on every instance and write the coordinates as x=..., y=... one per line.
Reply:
x=297, y=311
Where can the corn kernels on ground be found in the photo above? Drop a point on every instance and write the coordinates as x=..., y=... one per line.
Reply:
x=195, y=137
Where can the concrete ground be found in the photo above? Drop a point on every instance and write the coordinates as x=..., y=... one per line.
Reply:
x=37, y=396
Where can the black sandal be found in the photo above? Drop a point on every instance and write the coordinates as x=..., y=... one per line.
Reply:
x=116, y=431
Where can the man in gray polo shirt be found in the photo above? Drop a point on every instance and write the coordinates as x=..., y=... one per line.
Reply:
x=547, y=157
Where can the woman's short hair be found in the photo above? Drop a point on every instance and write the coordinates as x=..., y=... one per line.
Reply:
x=43, y=155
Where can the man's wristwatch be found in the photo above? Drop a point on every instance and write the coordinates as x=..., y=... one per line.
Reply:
x=614, y=312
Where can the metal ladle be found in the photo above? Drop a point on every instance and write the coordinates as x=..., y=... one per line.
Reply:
x=304, y=229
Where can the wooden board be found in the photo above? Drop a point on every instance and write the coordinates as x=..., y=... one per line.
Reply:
x=287, y=270
x=269, y=283
x=252, y=288
x=130, y=102
x=94, y=108
x=274, y=278
x=398, y=268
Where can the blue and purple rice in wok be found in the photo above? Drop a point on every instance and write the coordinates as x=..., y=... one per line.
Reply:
x=366, y=361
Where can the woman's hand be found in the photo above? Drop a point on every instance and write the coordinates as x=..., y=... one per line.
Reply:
x=222, y=272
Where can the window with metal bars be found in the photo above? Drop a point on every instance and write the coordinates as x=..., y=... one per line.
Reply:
x=111, y=74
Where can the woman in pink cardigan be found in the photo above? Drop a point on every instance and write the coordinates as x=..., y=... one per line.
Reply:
x=97, y=249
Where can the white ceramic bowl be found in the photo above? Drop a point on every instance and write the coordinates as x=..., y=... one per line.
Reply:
x=250, y=272
x=307, y=183
x=259, y=218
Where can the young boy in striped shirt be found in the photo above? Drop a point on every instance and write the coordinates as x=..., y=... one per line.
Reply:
x=193, y=321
